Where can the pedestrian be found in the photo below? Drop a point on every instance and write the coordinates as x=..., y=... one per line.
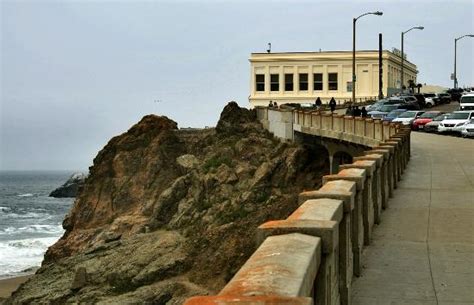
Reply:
x=356, y=111
x=332, y=104
x=270, y=105
x=363, y=112
x=275, y=105
x=349, y=110
x=318, y=103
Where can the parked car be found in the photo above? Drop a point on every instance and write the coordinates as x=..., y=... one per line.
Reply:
x=409, y=98
x=455, y=121
x=444, y=98
x=376, y=105
x=466, y=106
x=393, y=114
x=424, y=119
x=430, y=99
x=433, y=125
x=409, y=102
x=384, y=110
x=408, y=117
x=467, y=99
x=388, y=101
x=467, y=130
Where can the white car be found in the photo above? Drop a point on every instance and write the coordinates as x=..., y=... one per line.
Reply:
x=455, y=121
x=467, y=130
x=407, y=117
x=429, y=102
x=466, y=102
x=466, y=106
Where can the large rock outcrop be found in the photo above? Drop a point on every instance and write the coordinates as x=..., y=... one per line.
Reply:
x=71, y=187
x=168, y=213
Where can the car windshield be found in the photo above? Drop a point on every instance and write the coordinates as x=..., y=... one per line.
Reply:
x=440, y=117
x=429, y=115
x=408, y=114
x=394, y=114
x=395, y=101
x=429, y=94
x=388, y=108
x=458, y=116
x=467, y=99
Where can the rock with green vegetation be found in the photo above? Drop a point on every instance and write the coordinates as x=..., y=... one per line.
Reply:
x=166, y=214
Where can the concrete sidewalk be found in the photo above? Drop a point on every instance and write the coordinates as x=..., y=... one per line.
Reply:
x=422, y=253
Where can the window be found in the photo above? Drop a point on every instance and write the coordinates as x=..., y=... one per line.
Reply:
x=332, y=81
x=303, y=81
x=288, y=82
x=260, y=82
x=274, y=82
x=318, y=81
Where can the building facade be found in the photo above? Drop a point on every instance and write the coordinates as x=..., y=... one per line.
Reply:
x=301, y=77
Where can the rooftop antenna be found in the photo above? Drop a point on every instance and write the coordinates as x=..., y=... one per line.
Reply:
x=269, y=50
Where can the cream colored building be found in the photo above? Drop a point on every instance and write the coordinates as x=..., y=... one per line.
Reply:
x=301, y=77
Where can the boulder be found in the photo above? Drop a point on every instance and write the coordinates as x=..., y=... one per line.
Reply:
x=71, y=187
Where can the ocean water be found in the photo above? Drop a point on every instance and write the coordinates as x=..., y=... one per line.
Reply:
x=30, y=221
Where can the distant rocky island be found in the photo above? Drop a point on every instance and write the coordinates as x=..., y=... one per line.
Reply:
x=166, y=214
x=71, y=187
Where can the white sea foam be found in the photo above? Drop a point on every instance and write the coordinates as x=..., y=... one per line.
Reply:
x=25, y=195
x=47, y=229
x=18, y=255
x=4, y=209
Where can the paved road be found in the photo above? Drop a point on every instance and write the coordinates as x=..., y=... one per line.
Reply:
x=423, y=251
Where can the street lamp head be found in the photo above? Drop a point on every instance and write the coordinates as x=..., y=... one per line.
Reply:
x=470, y=35
x=378, y=13
x=420, y=27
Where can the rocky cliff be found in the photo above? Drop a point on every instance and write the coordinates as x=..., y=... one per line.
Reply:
x=168, y=213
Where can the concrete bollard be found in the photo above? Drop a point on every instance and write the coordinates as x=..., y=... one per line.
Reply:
x=320, y=217
x=381, y=181
x=387, y=173
x=392, y=163
x=284, y=265
x=368, y=210
x=358, y=176
x=398, y=156
x=345, y=191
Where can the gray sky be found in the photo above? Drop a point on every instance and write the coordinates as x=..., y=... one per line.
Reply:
x=76, y=73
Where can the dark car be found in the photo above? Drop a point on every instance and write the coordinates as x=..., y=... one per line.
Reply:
x=444, y=98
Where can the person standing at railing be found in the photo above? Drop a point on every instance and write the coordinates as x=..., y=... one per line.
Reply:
x=332, y=104
x=349, y=110
x=356, y=112
x=318, y=103
x=363, y=112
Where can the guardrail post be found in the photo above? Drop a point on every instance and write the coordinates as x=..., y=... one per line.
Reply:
x=369, y=196
x=358, y=176
x=345, y=191
x=382, y=192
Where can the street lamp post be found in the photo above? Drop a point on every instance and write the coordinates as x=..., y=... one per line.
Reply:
x=455, y=50
x=377, y=13
x=403, y=59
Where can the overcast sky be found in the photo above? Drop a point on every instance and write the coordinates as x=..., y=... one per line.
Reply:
x=76, y=73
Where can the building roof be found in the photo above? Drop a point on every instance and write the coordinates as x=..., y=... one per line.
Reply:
x=309, y=56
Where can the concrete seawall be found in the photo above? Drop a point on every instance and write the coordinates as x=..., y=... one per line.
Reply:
x=312, y=256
